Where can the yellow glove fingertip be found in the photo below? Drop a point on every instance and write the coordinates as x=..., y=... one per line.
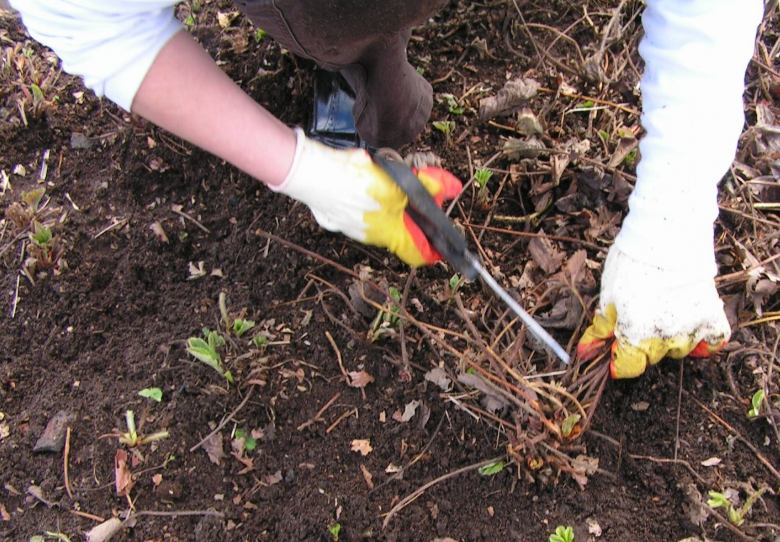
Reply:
x=627, y=361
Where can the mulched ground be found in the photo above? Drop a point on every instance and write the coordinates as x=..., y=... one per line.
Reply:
x=150, y=231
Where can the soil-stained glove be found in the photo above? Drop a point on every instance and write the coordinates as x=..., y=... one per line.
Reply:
x=653, y=313
x=348, y=193
x=658, y=295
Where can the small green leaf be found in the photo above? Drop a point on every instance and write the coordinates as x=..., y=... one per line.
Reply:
x=334, y=531
x=482, y=176
x=562, y=534
x=445, y=126
x=189, y=21
x=242, y=326
x=196, y=6
x=420, y=70
x=37, y=94
x=604, y=135
x=471, y=371
x=259, y=35
x=491, y=468
x=569, y=423
x=42, y=235
x=755, y=402
x=259, y=340
x=586, y=104
x=454, y=280
x=717, y=500
x=250, y=442
x=155, y=394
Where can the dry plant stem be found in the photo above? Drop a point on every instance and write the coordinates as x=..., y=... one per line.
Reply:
x=743, y=275
x=188, y=217
x=627, y=109
x=317, y=417
x=93, y=517
x=539, y=235
x=340, y=419
x=403, y=503
x=742, y=439
x=679, y=410
x=175, y=514
x=401, y=331
x=225, y=421
x=338, y=357
x=65, y=455
x=470, y=181
x=399, y=475
x=682, y=462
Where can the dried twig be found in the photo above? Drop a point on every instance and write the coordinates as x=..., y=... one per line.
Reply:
x=225, y=421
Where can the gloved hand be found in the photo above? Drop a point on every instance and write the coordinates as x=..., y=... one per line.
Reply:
x=348, y=193
x=652, y=313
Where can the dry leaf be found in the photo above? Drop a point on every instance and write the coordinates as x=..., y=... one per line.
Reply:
x=360, y=379
x=363, y=446
x=158, y=230
x=367, y=476
x=408, y=412
x=273, y=479
x=196, y=271
x=104, y=531
x=545, y=255
x=515, y=149
x=593, y=527
x=392, y=469
x=122, y=475
x=249, y=465
x=4, y=513
x=711, y=462
x=439, y=377
x=213, y=447
x=5, y=430
x=509, y=99
x=226, y=19
x=583, y=466
x=157, y=479
x=640, y=406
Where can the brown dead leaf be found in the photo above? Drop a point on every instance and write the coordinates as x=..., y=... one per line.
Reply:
x=123, y=478
x=584, y=466
x=438, y=376
x=408, y=413
x=363, y=446
x=360, y=379
x=104, y=531
x=273, y=479
x=509, y=99
x=213, y=447
x=760, y=292
x=367, y=477
x=158, y=230
x=249, y=465
x=515, y=149
x=4, y=513
x=157, y=479
x=545, y=255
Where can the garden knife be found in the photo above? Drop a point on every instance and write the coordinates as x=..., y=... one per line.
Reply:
x=442, y=234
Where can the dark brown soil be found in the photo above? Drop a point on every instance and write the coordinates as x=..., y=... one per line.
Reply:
x=115, y=321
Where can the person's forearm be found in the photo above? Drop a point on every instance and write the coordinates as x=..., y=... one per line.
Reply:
x=186, y=93
x=695, y=53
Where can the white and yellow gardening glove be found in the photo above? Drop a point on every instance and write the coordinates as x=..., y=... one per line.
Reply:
x=658, y=295
x=348, y=193
x=653, y=313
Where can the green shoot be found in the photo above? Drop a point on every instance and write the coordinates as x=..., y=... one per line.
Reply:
x=569, y=424
x=755, y=402
x=420, y=70
x=491, y=468
x=41, y=235
x=206, y=351
x=446, y=127
x=155, y=394
x=32, y=199
x=259, y=341
x=736, y=516
x=452, y=104
x=334, y=531
x=481, y=177
x=250, y=442
x=189, y=22
x=239, y=326
x=454, y=281
x=259, y=35
x=196, y=6
x=387, y=319
x=630, y=158
x=604, y=135
x=242, y=326
x=131, y=438
x=562, y=534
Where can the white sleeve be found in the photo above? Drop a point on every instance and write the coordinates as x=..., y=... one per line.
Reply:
x=110, y=43
x=696, y=53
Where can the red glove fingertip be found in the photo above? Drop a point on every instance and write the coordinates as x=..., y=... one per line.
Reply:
x=451, y=185
x=705, y=349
